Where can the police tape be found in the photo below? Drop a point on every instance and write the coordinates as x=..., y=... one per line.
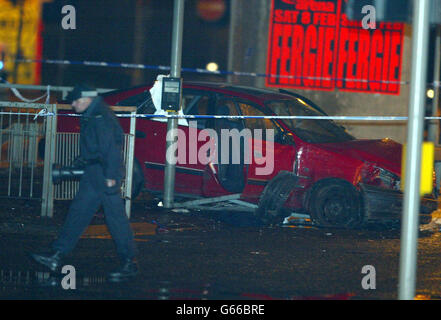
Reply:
x=45, y=113
x=204, y=71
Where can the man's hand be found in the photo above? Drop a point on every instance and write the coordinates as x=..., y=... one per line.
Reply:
x=110, y=183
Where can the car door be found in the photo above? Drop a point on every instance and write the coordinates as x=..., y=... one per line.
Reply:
x=150, y=146
x=232, y=146
x=272, y=149
x=191, y=163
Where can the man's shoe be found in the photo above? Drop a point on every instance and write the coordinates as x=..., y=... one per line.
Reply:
x=51, y=260
x=129, y=269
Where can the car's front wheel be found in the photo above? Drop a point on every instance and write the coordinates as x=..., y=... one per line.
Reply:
x=336, y=204
x=276, y=193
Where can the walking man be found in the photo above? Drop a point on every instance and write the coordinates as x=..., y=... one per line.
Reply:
x=101, y=143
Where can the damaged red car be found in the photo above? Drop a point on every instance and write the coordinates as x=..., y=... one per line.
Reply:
x=307, y=166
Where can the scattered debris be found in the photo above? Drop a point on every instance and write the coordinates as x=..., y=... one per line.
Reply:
x=435, y=223
x=297, y=220
x=181, y=210
x=160, y=228
x=259, y=252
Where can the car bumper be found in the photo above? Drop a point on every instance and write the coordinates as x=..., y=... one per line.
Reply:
x=383, y=204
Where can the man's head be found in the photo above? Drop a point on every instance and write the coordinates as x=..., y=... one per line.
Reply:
x=81, y=97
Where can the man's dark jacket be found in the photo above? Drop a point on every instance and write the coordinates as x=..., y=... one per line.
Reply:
x=101, y=145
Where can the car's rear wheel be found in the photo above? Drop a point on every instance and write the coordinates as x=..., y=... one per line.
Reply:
x=336, y=204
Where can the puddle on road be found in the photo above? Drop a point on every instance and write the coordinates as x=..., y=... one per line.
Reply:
x=45, y=285
x=16, y=279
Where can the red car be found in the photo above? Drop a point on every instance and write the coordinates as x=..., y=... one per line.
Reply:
x=317, y=167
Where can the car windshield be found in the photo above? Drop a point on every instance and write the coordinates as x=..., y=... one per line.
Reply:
x=312, y=131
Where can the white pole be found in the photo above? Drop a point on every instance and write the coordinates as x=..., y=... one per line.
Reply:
x=409, y=229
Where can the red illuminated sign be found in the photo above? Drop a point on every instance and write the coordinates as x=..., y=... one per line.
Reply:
x=312, y=45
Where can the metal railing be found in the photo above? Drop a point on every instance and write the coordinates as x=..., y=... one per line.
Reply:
x=67, y=148
x=21, y=167
x=30, y=145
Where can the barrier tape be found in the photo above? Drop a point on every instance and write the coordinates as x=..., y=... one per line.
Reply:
x=204, y=71
x=45, y=113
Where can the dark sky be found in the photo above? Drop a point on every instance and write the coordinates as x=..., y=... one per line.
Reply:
x=108, y=30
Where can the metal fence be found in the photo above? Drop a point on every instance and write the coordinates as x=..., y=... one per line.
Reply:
x=30, y=144
x=67, y=148
x=21, y=137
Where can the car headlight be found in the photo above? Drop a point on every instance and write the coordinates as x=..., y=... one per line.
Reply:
x=379, y=177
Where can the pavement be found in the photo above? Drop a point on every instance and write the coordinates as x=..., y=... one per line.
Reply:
x=205, y=256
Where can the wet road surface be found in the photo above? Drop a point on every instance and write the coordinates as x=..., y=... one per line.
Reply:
x=199, y=255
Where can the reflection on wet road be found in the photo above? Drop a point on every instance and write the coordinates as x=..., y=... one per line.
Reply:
x=45, y=285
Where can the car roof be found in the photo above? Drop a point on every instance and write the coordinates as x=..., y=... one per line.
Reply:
x=238, y=90
x=256, y=94
x=252, y=93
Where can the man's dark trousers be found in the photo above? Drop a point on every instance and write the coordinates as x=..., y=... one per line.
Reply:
x=81, y=212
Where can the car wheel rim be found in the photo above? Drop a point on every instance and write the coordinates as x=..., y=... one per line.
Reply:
x=337, y=207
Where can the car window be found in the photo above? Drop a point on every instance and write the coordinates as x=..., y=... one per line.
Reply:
x=196, y=104
x=252, y=123
x=309, y=130
x=227, y=107
x=248, y=110
x=142, y=101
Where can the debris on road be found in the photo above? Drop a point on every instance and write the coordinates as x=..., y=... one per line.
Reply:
x=297, y=220
x=180, y=210
x=435, y=223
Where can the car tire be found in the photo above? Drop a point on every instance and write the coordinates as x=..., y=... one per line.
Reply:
x=336, y=204
x=276, y=193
